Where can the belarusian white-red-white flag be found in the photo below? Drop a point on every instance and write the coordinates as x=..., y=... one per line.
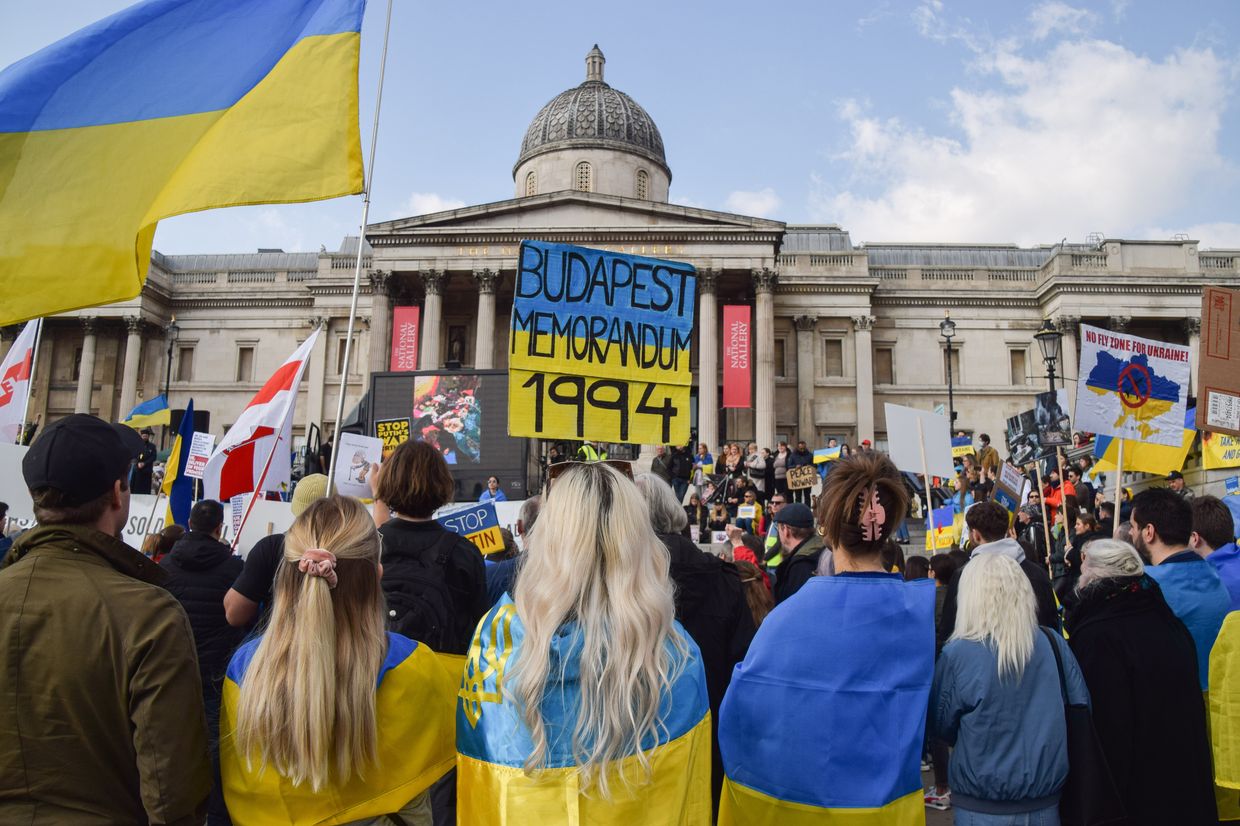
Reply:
x=15, y=383
x=243, y=454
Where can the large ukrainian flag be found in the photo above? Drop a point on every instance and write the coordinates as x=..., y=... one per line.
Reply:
x=413, y=708
x=1146, y=457
x=823, y=721
x=493, y=742
x=167, y=107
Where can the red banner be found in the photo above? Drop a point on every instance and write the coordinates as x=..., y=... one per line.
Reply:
x=406, y=325
x=737, y=385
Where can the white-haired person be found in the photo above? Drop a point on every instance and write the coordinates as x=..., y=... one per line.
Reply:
x=328, y=717
x=583, y=699
x=997, y=700
x=1140, y=664
x=710, y=601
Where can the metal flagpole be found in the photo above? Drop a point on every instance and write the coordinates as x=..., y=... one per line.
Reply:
x=361, y=243
x=34, y=362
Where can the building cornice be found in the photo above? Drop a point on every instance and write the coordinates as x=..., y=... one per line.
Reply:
x=242, y=303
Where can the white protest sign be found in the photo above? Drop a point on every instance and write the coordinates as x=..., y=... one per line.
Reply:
x=1131, y=388
x=357, y=458
x=200, y=449
x=745, y=512
x=237, y=505
x=1010, y=477
x=903, y=445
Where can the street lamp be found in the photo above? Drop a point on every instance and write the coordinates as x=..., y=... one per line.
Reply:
x=1049, y=340
x=173, y=334
x=947, y=329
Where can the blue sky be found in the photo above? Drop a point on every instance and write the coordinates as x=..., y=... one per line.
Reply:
x=901, y=121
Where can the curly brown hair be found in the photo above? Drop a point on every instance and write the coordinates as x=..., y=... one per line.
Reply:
x=863, y=502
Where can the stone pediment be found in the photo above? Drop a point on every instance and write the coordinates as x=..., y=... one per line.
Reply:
x=570, y=210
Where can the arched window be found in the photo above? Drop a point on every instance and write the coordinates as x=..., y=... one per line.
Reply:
x=531, y=184
x=582, y=180
x=643, y=184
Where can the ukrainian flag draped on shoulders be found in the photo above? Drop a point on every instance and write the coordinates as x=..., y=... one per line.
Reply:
x=414, y=703
x=823, y=721
x=167, y=107
x=493, y=742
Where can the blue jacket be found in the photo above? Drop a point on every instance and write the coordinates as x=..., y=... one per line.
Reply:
x=1011, y=752
x=1226, y=562
x=1198, y=597
x=487, y=496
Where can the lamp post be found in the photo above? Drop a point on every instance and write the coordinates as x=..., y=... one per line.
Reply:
x=947, y=329
x=173, y=334
x=1049, y=341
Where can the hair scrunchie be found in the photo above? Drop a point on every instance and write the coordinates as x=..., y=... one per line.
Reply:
x=318, y=562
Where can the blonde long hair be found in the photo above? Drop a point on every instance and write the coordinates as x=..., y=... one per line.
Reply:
x=596, y=561
x=307, y=702
x=996, y=607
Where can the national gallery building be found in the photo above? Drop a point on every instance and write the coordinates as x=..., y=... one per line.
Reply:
x=839, y=326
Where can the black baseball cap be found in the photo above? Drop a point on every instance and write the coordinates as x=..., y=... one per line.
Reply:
x=1173, y=475
x=795, y=515
x=81, y=456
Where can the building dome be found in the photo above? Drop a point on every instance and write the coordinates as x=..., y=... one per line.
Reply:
x=594, y=116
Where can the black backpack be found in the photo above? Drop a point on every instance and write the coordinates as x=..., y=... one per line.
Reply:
x=420, y=604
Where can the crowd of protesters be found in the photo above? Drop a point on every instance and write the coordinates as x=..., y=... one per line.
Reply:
x=372, y=667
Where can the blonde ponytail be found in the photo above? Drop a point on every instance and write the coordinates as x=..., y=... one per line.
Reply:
x=308, y=695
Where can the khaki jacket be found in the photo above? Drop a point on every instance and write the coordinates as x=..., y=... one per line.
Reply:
x=101, y=717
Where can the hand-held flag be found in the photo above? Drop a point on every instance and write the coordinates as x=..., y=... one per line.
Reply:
x=238, y=463
x=149, y=413
x=15, y=383
x=167, y=107
x=178, y=487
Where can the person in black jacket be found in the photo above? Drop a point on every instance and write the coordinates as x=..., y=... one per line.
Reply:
x=1140, y=665
x=801, y=546
x=435, y=580
x=144, y=468
x=987, y=523
x=200, y=570
x=710, y=603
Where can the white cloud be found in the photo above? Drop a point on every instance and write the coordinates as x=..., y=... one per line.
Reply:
x=761, y=203
x=1055, y=16
x=1084, y=136
x=422, y=203
x=1216, y=235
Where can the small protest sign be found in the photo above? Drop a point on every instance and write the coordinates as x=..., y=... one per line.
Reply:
x=961, y=446
x=236, y=507
x=1231, y=486
x=1218, y=373
x=802, y=477
x=599, y=346
x=358, y=458
x=391, y=432
x=201, y=446
x=477, y=523
x=1131, y=388
x=1023, y=443
x=745, y=512
x=1050, y=414
x=905, y=447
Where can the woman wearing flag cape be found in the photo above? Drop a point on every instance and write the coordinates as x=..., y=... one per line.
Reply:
x=583, y=700
x=825, y=717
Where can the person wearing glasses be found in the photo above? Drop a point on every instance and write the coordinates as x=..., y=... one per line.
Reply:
x=492, y=493
x=582, y=697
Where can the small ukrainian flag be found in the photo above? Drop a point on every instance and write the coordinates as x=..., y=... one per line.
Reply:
x=150, y=413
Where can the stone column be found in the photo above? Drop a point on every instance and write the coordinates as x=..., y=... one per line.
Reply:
x=86, y=371
x=316, y=385
x=863, y=324
x=434, y=282
x=484, y=341
x=806, y=325
x=1068, y=326
x=764, y=282
x=380, y=346
x=708, y=358
x=133, y=354
x=1192, y=327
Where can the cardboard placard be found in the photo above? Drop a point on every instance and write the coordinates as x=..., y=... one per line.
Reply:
x=904, y=448
x=1218, y=370
x=599, y=346
x=802, y=477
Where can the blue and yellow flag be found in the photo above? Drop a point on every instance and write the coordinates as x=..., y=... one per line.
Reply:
x=493, y=742
x=826, y=454
x=178, y=487
x=150, y=413
x=853, y=654
x=167, y=107
x=413, y=711
x=1146, y=457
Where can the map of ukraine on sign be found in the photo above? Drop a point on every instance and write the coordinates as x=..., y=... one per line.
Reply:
x=477, y=523
x=1131, y=388
x=599, y=346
